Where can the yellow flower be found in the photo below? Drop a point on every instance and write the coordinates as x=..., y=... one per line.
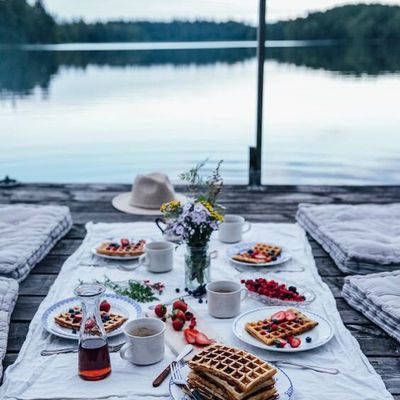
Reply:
x=170, y=206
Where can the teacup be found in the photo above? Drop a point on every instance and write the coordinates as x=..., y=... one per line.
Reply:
x=224, y=298
x=144, y=341
x=232, y=229
x=158, y=257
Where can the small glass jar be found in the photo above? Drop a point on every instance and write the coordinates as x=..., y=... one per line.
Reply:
x=94, y=357
x=197, y=267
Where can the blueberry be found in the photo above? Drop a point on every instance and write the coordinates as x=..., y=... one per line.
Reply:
x=177, y=290
x=250, y=251
x=74, y=331
x=71, y=311
x=200, y=300
x=190, y=292
x=265, y=327
x=186, y=289
x=273, y=258
x=292, y=289
x=308, y=339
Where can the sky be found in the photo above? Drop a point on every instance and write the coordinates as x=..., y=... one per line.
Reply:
x=241, y=10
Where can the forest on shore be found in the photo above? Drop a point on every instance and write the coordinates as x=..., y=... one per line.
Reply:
x=21, y=22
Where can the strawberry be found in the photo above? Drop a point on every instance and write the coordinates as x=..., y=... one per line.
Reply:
x=190, y=335
x=177, y=324
x=105, y=306
x=203, y=340
x=290, y=315
x=280, y=343
x=124, y=242
x=294, y=341
x=89, y=324
x=178, y=314
x=180, y=305
x=193, y=323
x=160, y=310
x=278, y=317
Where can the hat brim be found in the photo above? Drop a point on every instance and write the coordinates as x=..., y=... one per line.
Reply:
x=121, y=203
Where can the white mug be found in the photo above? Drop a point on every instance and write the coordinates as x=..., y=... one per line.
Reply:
x=232, y=229
x=158, y=256
x=224, y=298
x=144, y=341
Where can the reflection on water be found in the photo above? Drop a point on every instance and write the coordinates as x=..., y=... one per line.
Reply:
x=94, y=116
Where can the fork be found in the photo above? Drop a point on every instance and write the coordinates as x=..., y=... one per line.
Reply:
x=111, y=349
x=178, y=380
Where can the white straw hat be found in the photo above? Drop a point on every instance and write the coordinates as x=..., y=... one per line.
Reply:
x=148, y=194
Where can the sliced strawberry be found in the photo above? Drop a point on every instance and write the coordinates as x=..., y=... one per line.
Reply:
x=279, y=316
x=203, y=340
x=290, y=315
x=190, y=335
x=294, y=342
x=125, y=242
x=259, y=256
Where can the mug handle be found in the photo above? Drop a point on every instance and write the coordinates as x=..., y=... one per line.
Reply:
x=143, y=261
x=124, y=350
x=243, y=294
x=159, y=221
x=246, y=227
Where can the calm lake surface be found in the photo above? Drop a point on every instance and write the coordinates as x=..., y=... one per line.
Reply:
x=107, y=112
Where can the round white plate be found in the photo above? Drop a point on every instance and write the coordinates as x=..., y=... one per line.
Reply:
x=119, y=305
x=241, y=247
x=94, y=248
x=320, y=335
x=284, y=385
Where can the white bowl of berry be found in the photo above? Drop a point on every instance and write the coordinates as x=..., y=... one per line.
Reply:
x=271, y=292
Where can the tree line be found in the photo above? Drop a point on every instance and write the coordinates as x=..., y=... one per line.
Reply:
x=21, y=22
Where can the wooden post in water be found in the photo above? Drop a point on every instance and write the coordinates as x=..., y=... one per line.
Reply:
x=255, y=156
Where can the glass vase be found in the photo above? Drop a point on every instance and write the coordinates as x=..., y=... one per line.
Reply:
x=197, y=267
x=94, y=357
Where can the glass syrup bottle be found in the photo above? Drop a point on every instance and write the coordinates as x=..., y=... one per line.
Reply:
x=94, y=357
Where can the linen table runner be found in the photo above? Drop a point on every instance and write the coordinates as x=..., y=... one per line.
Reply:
x=377, y=296
x=33, y=377
x=360, y=238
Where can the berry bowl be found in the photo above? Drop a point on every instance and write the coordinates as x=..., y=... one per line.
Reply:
x=273, y=293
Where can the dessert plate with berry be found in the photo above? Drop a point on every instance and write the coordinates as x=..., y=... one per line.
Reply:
x=120, y=249
x=283, y=329
x=63, y=318
x=273, y=293
x=257, y=254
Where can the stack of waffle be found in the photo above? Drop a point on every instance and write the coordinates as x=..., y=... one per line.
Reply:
x=225, y=373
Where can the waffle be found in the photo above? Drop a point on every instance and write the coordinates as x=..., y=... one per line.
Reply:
x=236, y=373
x=261, y=330
x=119, y=250
x=260, y=253
x=111, y=321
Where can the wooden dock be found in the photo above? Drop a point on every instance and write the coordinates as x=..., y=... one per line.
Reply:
x=268, y=204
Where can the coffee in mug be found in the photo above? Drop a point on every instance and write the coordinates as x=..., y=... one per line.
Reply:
x=144, y=341
x=232, y=229
x=224, y=298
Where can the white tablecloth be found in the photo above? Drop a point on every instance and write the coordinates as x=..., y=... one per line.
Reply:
x=55, y=377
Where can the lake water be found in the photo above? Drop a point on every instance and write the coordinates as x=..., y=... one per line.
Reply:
x=105, y=113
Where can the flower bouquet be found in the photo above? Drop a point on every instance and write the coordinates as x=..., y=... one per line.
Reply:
x=194, y=222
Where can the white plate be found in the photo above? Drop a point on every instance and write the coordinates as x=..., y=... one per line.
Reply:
x=241, y=247
x=283, y=385
x=320, y=335
x=119, y=305
x=94, y=248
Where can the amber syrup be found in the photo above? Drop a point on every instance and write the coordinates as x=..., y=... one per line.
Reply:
x=94, y=360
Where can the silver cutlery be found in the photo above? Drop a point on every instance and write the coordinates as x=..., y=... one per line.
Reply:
x=161, y=377
x=316, y=368
x=75, y=349
x=178, y=380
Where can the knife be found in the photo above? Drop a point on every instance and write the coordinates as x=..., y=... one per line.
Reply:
x=160, y=378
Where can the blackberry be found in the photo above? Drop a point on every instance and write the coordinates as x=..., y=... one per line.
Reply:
x=200, y=300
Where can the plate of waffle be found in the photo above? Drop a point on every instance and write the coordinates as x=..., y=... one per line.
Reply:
x=222, y=372
x=63, y=319
x=120, y=249
x=257, y=254
x=283, y=329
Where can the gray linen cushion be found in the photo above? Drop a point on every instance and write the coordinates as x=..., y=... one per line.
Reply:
x=377, y=296
x=27, y=234
x=8, y=298
x=360, y=238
